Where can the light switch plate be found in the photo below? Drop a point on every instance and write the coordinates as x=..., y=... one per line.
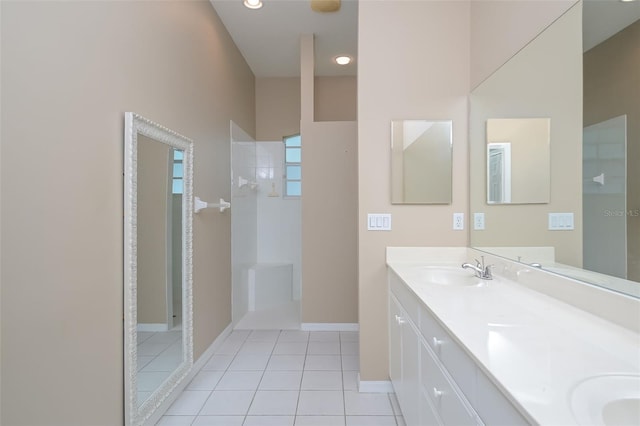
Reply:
x=561, y=222
x=379, y=222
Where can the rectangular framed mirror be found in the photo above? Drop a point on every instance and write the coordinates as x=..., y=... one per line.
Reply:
x=158, y=202
x=518, y=160
x=421, y=161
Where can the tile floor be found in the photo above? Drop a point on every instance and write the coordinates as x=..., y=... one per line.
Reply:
x=159, y=353
x=282, y=378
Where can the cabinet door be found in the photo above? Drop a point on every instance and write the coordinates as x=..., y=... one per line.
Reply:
x=428, y=414
x=395, y=345
x=410, y=373
x=404, y=361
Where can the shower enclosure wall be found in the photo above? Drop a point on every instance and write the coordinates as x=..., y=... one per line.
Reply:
x=265, y=234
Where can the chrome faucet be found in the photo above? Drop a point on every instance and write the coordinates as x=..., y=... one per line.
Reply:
x=481, y=271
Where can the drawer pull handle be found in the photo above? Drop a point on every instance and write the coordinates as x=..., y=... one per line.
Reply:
x=437, y=393
x=399, y=319
x=437, y=342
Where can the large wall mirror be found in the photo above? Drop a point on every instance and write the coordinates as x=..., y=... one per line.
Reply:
x=157, y=283
x=581, y=73
x=421, y=161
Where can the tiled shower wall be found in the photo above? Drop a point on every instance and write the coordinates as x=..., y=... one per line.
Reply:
x=244, y=230
x=279, y=218
x=265, y=225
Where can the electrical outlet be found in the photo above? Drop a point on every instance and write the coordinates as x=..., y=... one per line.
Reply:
x=478, y=221
x=458, y=221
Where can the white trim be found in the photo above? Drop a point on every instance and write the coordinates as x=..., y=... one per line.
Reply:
x=197, y=366
x=329, y=326
x=152, y=327
x=374, y=386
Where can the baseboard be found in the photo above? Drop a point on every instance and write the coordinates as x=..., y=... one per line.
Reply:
x=329, y=326
x=374, y=386
x=197, y=366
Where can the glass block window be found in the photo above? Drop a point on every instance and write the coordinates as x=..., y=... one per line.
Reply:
x=293, y=166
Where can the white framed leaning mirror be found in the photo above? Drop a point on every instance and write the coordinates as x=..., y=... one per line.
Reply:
x=421, y=161
x=158, y=202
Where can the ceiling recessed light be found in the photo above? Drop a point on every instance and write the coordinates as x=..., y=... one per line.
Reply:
x=342, y=60
x=626, y=1
x=253, y=4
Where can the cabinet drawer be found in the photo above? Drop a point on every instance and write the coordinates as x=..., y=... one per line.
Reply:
x=450, y=354
x=406, y=297
x=451, y=406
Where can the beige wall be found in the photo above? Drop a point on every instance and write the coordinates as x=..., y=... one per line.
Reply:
x=543, y=80
x=329, y=208
x=329, y=222
x=278, y=104
x=335, y=98
x=612, y=88
x=499, y=29
x=152, y=209
x=428, y=78
x=277, y=108
x=69, y=72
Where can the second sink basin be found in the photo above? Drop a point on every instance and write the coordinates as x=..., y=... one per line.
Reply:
x=609, y=400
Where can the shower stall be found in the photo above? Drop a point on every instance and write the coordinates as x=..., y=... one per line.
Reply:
x=265, y=236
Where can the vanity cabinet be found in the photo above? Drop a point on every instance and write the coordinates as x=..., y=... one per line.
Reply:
x=435, y=381
x=404, y=368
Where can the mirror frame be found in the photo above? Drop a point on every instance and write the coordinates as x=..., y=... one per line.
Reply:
x=135, y=125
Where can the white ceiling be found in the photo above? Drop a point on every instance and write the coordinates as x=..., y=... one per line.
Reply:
x=269, y=37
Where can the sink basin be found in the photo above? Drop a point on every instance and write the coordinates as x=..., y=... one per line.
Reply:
x=609, y=400
x=445, y=275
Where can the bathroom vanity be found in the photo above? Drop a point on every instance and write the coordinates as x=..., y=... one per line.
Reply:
x=513, y=350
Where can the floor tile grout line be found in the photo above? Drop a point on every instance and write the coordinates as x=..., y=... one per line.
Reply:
x=225, y=370
x=295, y=415
x=261, y=377
x=344, y=396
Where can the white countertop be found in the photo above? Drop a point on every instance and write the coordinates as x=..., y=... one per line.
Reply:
x=533, y=346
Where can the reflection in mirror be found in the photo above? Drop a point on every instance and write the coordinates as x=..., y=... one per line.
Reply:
x=159, y=265
x=518, y=164
x=421, y=161
x=543, y=79
x=158, y=200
